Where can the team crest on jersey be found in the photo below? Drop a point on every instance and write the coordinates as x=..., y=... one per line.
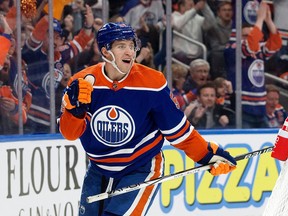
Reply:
x=174, y=100
x=256, y=73
x=250, y=12
x=112, y=126
x=46, y=81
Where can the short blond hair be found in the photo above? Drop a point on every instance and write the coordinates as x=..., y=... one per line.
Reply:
x=178, y=71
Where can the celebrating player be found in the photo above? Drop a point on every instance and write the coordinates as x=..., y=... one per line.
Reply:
x=122, y=112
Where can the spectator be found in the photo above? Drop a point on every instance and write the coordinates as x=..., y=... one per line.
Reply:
x=206, y=113
x=4, y=6
x=275, y=112
x=146, y=56
x=217, y=37
x=35, y=54
x=198, y=76
x=224, y=92
x=179, y=74
x=148, y=33
x=188, y=22
x=97, y=7
x=147, y=18
x=86, y=58
x=67, y=74
x=278, y=64
x=78, y=8
x=26, y=31
x=68, y=27
x=254, y=52
x=9, y=103
x=150, y=10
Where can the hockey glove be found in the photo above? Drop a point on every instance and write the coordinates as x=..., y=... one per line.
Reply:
x=223, y=161
x=77, y=97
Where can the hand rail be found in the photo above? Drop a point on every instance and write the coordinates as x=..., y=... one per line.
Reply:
x=194, y=42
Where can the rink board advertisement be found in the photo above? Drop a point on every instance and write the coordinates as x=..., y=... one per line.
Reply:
x=42, y=176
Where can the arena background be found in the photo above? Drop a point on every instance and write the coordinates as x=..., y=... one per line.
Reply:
x=42, y=174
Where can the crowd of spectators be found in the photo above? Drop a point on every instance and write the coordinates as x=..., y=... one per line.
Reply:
x=203, y=87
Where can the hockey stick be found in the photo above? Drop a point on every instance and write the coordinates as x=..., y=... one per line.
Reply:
x=194, y=170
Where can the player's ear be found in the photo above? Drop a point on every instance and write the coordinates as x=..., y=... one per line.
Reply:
x=105, y=52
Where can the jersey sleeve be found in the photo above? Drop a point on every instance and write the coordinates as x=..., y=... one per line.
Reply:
x=80, y=41
x=70, y=126
x=273, y=44
x=176, y=128
x=252, y=44
x=39, y=33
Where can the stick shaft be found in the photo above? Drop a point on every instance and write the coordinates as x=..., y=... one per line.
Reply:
x=159, y=180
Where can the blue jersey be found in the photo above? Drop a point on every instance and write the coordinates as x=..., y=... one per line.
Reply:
x=128, y=121
x=254, y=53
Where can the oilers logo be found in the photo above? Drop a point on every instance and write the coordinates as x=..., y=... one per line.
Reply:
x=250, y=12
x=112, y=126
x=46, y=81
x=256, y=73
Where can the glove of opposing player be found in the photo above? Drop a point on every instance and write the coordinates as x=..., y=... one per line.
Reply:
x=77, y=97
x=223, y=161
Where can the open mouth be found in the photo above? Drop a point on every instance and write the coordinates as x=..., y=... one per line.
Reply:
x=127, y=61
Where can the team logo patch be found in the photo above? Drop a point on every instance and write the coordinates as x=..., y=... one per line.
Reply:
x=174, y=99
x=112, y=126
x=250, y=12
x=256, y=73
x=46, y=81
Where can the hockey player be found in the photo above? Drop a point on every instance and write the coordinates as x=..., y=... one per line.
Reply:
x=122, y=119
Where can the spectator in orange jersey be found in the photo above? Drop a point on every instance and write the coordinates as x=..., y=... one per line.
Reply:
x=35, y=53
x=9, y=103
